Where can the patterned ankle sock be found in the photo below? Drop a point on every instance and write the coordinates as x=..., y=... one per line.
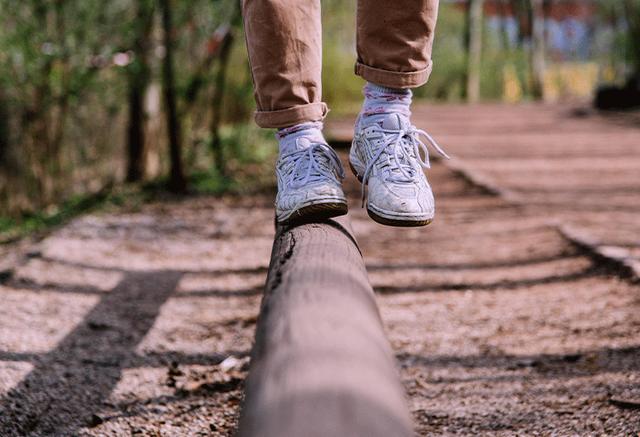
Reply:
x=383, y=100
x=288, y=137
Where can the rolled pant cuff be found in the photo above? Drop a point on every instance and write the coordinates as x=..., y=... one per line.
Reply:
x=394, y=79
x=292, y=116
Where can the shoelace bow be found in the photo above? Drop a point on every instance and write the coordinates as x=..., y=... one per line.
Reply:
x=321, y=162
x=402, y=147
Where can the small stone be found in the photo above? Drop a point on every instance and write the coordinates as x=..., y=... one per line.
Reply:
x=95, y=420
x=229, y=363
x=5, y=275
x=98, y=326
x=33, y=253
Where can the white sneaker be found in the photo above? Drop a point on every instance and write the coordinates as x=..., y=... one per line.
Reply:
x=385, y=156
x=309, y=184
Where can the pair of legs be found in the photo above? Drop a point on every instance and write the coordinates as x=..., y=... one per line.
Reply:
x=394, y=41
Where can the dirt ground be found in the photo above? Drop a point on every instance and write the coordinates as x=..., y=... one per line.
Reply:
x=141, y=322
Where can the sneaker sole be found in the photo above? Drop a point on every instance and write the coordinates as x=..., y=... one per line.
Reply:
x=316, y=212
x=399, y=223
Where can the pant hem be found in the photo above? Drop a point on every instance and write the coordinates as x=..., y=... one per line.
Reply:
x=394, y=79
x=292, y=116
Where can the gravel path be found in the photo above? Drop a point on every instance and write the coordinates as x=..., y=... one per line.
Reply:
x=141, y=322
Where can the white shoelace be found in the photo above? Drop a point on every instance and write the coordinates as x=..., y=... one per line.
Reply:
x=315, y=163
x=402, y=148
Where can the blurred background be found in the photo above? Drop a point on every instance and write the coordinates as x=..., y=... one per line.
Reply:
x=114, y=102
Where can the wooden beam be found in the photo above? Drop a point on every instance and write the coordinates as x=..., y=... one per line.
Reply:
x=321, y=364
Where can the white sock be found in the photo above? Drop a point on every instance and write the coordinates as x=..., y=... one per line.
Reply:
x=382, y=100
x=288, y=137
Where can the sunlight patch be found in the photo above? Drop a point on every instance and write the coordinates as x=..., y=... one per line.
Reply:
x=11, y=373
x=35, y=322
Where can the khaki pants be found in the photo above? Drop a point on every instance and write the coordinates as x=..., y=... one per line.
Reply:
x=284, y=40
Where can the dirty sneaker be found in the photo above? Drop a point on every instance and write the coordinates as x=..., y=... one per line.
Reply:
x=309, y=183
x=385, y=156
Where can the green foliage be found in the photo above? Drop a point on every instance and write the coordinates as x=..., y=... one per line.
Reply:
x=52, y=63
x=16, y=227
x=449, y=58
x=623, y=18
x=494, y=60
x=239, y=103
x=65, y=68
x=252, y=152
x=341, y=89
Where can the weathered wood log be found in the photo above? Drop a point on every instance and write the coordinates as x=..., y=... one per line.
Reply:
x=321, y=364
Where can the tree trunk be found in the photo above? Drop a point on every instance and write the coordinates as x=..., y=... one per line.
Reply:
x=138, y=82
x=7, y=167
x=521, y=14
x=135, y=134
x=505, y=11
x=537, y=62
x=474, y=51
x=219, y=93
x=5, y=142
x=216, y=104
x=177, y=181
